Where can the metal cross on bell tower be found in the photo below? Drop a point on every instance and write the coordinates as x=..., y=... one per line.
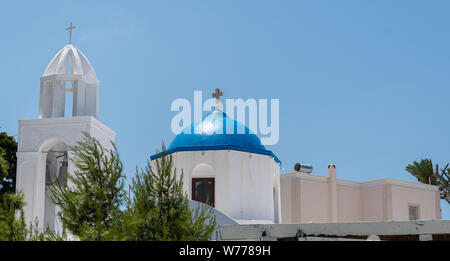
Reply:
x=70, y=28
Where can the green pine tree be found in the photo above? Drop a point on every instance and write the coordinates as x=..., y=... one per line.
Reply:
x=8, y=160
x=12, y=228
x=90, y=203
x=159, y=208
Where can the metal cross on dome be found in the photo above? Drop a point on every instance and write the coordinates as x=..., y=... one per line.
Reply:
x=70, y=28
x=217, y=94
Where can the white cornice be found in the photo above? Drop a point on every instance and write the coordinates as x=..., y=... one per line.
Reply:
x=52, y=121
x=368, y=184
x=103, y=127
x=401, y=183
x=304, y=176
x=66, y=77
x=67, y=121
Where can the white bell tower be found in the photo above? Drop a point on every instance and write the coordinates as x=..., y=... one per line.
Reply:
x=43, y=150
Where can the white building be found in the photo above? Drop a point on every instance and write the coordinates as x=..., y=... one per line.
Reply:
x=237, y=175
x=232, y=172
x=307, y=198
x=43, y=147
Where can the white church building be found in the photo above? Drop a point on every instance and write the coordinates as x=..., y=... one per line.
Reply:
x=234, y=173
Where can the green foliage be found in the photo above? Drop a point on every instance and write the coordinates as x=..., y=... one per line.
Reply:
x=33, y=234
x=425, y=173
x=90, y=204
x=4, y=165
x=159, y=209
x=444, y=183
x=8, y=160
x=94, y=206
x=12, y=222
x=12, y=228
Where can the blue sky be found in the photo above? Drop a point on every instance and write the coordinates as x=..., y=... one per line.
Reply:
x=363, y=84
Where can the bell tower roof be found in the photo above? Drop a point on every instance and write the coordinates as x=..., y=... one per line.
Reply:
x=71, y=61
x=69, y=72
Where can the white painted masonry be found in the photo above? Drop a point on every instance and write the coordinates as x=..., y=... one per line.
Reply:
x=310, y=198
x=69, y=65
x=43, y=146
x=247, y=185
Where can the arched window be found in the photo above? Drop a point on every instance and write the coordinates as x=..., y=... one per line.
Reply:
x=56, y=168
x=203, y=190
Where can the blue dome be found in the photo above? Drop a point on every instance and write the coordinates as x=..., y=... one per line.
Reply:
x=216, y=131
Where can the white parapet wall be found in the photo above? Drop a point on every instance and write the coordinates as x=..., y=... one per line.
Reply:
x=312, y=198
x=421, y=230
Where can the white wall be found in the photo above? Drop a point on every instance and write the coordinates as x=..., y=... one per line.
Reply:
x=244, y=182
x=402, y=197
x=306, y=198
x=349, y=202
x=38, y=136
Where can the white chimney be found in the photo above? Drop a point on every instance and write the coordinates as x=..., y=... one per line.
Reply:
x=332, y=192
